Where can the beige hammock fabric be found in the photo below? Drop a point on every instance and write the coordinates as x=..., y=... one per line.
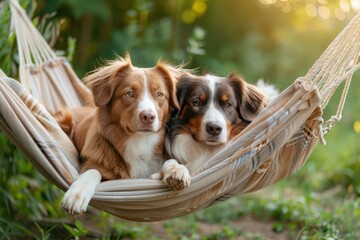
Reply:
x=272, y=147
x=41, y=71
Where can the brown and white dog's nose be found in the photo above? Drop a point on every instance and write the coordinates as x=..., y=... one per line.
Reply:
x=147, y=117
x=213, y=128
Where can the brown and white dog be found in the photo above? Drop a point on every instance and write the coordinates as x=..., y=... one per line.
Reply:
x=123, y=135
x=213, y=111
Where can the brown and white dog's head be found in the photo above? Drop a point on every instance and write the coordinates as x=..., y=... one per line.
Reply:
x=139, y=99
x=215, y=109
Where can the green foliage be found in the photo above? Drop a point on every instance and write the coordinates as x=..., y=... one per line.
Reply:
x=23, y=191
x=226, y=233
x=196, y=42
x=81, y=7
x=71, y=49
x=125, y=230
x=229, y=212
x=186, y=227
x=77, y=231
x=8, y=50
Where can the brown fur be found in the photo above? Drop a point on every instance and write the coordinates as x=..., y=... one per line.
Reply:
x=100, y=133
x=251, y=100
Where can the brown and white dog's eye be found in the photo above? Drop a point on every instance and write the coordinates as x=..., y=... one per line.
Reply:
x=130, y=94
x=227, y=104
x=159, y=95
x=196, y=104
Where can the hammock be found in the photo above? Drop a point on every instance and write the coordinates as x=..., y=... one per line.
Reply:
x=275, y=145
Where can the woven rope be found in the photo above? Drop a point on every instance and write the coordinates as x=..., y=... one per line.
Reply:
x=49, y=78
x=336, y=65
x=33, y=49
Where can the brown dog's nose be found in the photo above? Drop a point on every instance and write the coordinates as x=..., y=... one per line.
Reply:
x=213, y=128
x=147, y=117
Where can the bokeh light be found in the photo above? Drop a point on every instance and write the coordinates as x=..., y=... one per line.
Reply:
x=196, y=10
x=357, y=126
x=355, y=4
x=344, y=5
x=324, y=12
x=317, y=8
x=311, y=10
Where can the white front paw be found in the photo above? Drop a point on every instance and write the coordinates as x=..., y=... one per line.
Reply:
x=156, y=176
x=78, y=196
x=177, y=177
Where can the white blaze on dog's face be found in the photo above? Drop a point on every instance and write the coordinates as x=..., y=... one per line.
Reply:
x=213, y=129
x=139, y=99
x=147, y=102
x=215, y=109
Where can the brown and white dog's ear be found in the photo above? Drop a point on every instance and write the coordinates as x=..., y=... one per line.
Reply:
x=101, y=81
x=250, y=100
x=169, y=75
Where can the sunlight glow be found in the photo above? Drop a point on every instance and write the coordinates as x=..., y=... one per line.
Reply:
x=344, y=5
x=323, y=9
x=324, y=12
x=268, y=2
x=355, y=4
x=339, y=14
x=310, y=10
x=286, y=8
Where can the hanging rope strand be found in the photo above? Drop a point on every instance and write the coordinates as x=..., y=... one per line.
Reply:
x=315, y=73
x=336, y=76
x=35, y=47
x=333, y=70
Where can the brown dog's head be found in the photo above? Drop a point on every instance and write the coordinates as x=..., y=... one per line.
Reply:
x=215, y=109
x=139, y=99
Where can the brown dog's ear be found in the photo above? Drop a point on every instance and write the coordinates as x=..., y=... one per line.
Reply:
x=169, y=73
x=101, y=81
x=250, y=100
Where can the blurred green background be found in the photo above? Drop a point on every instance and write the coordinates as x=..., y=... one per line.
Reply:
x=274, y=40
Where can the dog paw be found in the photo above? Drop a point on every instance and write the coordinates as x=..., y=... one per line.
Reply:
x=77, y=198
x=156, y=176
x=177, y=177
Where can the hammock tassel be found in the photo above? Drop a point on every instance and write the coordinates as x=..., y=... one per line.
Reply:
x=319, y=131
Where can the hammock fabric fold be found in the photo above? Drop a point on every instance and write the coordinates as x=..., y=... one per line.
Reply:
x=275, y=145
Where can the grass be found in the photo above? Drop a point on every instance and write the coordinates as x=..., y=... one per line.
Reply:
x=283, y=211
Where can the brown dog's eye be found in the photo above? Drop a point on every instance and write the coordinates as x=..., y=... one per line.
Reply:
x=130, y=94
x=227, y=105
x=159, y=94
x=196, y=104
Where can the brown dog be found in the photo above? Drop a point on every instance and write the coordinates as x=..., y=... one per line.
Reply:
x=123, y=135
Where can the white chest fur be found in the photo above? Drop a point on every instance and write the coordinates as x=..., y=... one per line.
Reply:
x=139, y=153
x=192, y=153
